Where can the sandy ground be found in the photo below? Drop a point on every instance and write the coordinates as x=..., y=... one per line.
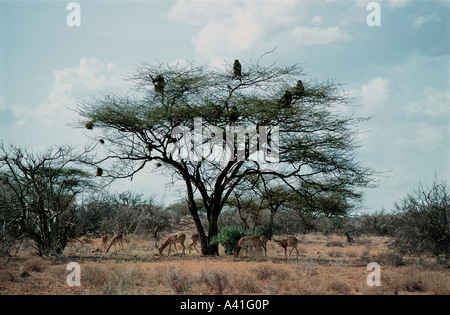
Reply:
x=326, y=265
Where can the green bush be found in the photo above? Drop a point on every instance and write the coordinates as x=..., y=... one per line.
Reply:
x=228, y=236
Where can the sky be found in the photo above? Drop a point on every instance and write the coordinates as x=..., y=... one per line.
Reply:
x=397, y=71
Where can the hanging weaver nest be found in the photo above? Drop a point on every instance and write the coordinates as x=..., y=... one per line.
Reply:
x=89, y=125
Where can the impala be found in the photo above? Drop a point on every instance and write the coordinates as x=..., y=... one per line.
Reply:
x=291, y=241
x=116, y=240
x=246, y=242
x=172, y=240
x=195, y=239
x=104, y=243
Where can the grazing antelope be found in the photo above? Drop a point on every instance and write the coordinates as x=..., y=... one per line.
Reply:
x=288, y=242
x=104, y=243
x=246, y=242
x=172, y=240
x=116, y=240
x=195, y=239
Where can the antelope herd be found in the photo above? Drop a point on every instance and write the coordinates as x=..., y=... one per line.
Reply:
x=246, y=243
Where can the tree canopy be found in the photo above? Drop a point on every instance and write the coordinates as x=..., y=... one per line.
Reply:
x=212, y=129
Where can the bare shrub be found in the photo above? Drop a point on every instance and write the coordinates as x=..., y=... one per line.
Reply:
x=390, y=259
x=423, y=220
x=36, y=264
x=385, y=258
x=366, y=257
x=306, y=268
x=337, y=286
x=94, y=276
x=378, y=223
x=335, y=243
x=363, y=240
x=159, y=274
x=268, y=272
x=121, y=279
x=247, y=284
x=178, y=280
x=335, y=253
x=398, y=282
x=215, y=280
x=37, y=197
x=264, y=272
x=437, y=284
x=6, y=276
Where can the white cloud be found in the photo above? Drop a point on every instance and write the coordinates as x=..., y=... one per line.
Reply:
x=397, y=3
x=427, y=138
x=317, y=19
x=310, y=36
x=199, y=12
x=421, y=20
x=227, y=29
x=232, y=27
x=2, y=103
x=374, y=93
x=50, y=120
x=72, y=84
x=240, y=34
x=434, y=103
x=390, y=3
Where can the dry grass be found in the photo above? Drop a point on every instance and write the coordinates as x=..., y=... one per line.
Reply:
x=326, y=265
x=114, y=279
x=215, y=280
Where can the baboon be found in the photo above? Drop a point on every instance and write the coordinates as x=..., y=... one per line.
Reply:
x=234, y=114
x=286, y=100
x=237, y=70
x=159, y=83
x=299, y=89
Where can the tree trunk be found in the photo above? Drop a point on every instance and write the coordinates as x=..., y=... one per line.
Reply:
x=207, y=249
x=269, y=231
x=213, y=231
x=198, y=224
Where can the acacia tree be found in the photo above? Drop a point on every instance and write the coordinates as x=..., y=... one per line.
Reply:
x=37, y=195
x=249, y=207
x=310, y=140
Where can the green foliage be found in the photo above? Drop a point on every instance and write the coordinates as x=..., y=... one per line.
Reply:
x=228, y=236
x=261, y=231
